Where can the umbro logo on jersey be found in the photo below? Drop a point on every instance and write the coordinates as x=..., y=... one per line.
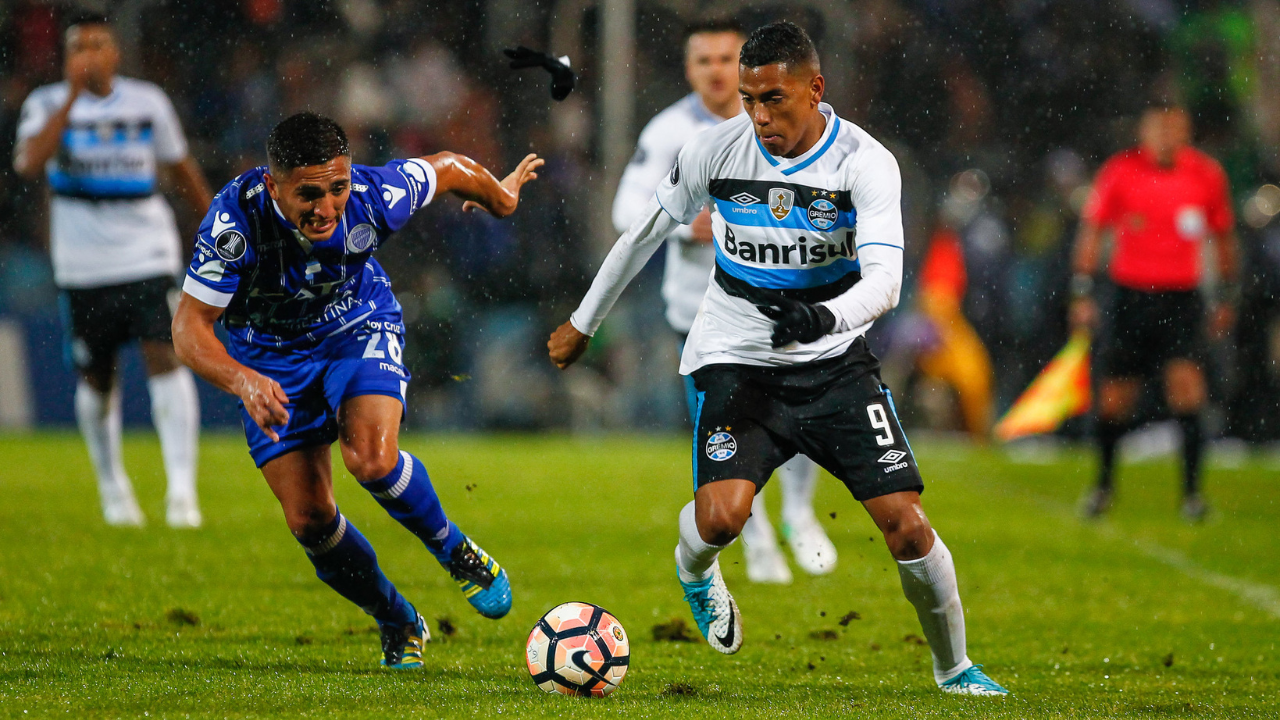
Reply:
x=892, y=457
x=745, y=199
x=781, y=200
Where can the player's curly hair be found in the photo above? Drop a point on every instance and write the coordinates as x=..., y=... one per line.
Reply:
x=304, y=140
x=780, y=42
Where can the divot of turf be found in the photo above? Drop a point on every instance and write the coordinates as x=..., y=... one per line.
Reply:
x=179, y=616
x=824, y=634
x=849, y=617
x=674, y=630
x=446, y=627
x=679, y=689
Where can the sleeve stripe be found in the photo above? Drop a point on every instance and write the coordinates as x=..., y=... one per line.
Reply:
x=897, y=247
x=206, y=294
x=431, y=184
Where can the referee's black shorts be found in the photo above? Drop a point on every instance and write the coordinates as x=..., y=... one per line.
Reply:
x=750, y=419
x=1142, y=331
x=99, y=320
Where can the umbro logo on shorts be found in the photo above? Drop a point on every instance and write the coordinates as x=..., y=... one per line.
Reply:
x=893, y=458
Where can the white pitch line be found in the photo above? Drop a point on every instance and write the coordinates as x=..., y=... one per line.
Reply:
x=1263, y=597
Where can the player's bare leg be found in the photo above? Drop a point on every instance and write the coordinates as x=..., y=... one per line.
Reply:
x=707, y=525
x=1116, y=399
x=175, y=411
x=929, y=581
x=369, y=435
x=303, y=483
x=97, y=406
x=1186, y=393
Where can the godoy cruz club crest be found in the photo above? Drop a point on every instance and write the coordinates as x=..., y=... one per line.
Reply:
x=780, y=202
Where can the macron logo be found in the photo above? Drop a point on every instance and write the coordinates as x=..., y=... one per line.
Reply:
x=392, y=195
x=221, y=223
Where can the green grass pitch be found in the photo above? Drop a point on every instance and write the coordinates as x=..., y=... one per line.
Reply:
x=1138, y=616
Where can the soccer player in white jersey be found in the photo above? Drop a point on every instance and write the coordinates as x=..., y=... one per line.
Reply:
x=103, y=141
x=808, y=235
x=711, y=67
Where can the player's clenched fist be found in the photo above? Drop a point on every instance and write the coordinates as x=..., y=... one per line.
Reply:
x=567, y=345
x=264, y=400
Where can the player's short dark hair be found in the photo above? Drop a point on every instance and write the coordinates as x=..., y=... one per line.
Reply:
x=88, y=18
x=713, y=26
x=781, y=42
x=304, y=140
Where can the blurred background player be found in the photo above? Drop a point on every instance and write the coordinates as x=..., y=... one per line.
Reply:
x=1162, y=200
x=103, y=141
x=315, y=352
x=711, y=68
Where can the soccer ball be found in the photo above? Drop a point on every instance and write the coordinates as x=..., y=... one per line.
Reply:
x=578, y=649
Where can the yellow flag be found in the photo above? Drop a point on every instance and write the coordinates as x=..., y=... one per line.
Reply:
x=1061, y=391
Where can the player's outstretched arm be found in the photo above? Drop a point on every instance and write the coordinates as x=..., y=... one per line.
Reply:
x=627, y=258
x=199, y=349
x=470, y=181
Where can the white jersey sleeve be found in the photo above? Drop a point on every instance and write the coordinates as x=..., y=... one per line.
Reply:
x=170, y=142
x=656, y=153
x=627, y=258
x=876, y=187
x=683, y=193
x=36, y=111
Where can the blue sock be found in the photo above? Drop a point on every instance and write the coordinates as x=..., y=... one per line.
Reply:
x=345, y=561
x=407, y=495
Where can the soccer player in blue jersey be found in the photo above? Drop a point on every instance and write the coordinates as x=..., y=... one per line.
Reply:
x=314, y=351
x=807, y=219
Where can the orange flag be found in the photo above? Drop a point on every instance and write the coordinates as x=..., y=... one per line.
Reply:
x=1061, y=391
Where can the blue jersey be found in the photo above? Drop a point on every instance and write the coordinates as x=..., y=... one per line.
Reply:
x=282, y=291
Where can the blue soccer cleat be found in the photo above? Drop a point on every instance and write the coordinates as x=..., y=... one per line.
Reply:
x=483, y=582
x=973, y=682
x=714, y=611
x=402, y=644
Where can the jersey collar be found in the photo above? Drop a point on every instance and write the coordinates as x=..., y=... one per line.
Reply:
x=789, y=166
x=302, y=239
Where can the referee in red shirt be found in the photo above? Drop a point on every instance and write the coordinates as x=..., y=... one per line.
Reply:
x=1162, y=201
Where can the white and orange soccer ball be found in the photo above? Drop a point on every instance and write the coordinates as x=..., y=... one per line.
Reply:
x=578, y=649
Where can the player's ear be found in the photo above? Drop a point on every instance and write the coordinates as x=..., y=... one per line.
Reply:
x=272, y=189
x=816, y=88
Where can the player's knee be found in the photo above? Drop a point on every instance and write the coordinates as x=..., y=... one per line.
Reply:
x=369, y=461
x=309, y=521
x=908, y=536
x=720, y=526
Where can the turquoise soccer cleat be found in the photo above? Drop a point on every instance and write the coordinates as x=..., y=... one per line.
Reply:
x=402, y=644
x=714, y=611
x=483, y=582
x=973, y=682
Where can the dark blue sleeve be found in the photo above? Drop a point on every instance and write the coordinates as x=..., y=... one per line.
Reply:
x=396, y=190
x=222, y=251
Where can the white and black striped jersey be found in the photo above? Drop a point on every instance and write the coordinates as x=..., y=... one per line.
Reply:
x=688, y=263
x=825, y=226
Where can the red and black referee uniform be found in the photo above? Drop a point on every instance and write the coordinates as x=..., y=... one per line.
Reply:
x=1161, y=217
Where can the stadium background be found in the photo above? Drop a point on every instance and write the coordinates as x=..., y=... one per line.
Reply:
x=998, y=112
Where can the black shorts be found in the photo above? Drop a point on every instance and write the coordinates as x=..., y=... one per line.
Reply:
x=1142, y=331
x=99, y=320
x=752, y=419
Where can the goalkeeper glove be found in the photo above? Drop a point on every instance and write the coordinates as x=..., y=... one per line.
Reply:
x=562, y=78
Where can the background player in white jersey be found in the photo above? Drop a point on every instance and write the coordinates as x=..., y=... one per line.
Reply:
x=711, y=67
x=102, y=141
x=808, y=226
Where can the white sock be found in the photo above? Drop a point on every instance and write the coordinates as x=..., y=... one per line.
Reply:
x=98, y=416
x=930, y=585
x=798, y=477
x=175, y=410
x=758, y=530
x=694, y=557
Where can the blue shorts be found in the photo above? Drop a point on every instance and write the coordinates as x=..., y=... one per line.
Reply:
x=317, y=380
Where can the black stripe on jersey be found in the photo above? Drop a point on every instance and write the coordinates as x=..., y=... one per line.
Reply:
x=729, y=188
